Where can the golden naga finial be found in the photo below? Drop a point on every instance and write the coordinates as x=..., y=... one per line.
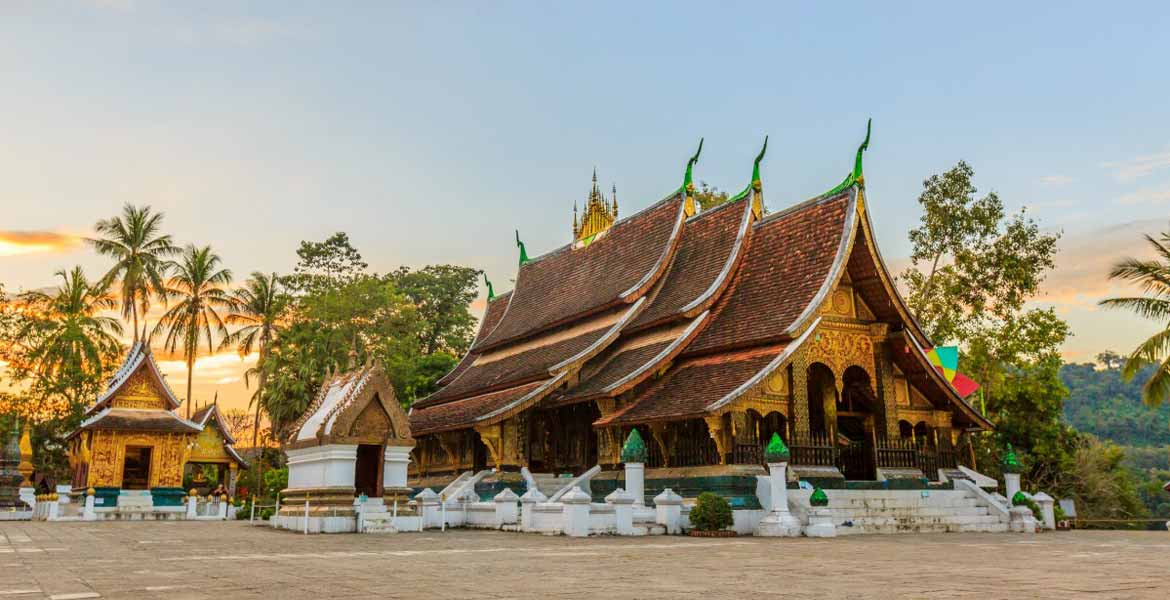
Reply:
x=599, y=214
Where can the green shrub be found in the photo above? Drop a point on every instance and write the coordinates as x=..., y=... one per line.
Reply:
x=1021, y=500
x=711, y=513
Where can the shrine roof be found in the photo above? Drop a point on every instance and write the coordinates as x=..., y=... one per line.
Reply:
x=465, y=412
x=574, y=281
x=688, y=389
x=210, y=413
x=137, y=419
x=139, y=356
x=792, y=262
x=520, y=367
x=710, y=245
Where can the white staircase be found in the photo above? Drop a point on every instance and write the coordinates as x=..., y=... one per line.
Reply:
x=906, y=511
x=549, y=483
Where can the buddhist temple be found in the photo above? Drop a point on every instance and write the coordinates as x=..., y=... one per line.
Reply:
x=131, y=446
x=214, y=447
x=706, y=331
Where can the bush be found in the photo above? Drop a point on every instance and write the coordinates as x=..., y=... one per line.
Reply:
x=1021, y=500
x=711, y=513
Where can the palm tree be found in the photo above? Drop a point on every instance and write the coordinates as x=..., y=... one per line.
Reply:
x=1153, y=277
x=67, y=340
x=257, y=307
x=140, y=255
x=198, y=287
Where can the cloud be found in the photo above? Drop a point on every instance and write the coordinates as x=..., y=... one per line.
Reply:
x=1129, y=170
x=220, y=368
x=14, y=242
x=1055, y=180
x=1081, y=276
x=1147, y=196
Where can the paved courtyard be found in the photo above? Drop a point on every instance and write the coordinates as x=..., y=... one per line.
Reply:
x=180, y=560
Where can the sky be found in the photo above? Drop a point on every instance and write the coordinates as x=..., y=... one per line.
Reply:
x=430, y=131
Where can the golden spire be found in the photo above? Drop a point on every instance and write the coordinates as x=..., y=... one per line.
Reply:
x=599, y=215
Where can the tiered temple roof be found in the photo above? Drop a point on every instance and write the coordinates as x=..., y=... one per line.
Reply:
x=678, y=309
x=137, y=398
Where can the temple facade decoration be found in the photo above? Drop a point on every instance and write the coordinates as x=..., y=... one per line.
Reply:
x=132, y=446
x=709, y=332
x=213, y=447
x=353, y=441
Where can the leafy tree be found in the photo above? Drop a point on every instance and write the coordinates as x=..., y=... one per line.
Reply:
x=140, y=254
x=64, y=343
x=709, y=196
x=198, y=287
x=1153, y=278
x=441, y=294
x=326, y=264
x=256, y=310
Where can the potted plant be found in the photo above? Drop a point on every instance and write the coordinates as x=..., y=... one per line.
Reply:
x=711, y=516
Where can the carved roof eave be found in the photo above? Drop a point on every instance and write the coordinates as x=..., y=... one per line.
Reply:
x=367, y=383
x=94, y=421
x=952, y=395
x=629, y=296
x=519, y=405
x=781, y=359
x=206, y=415
x=137, y=355
x=639, y=375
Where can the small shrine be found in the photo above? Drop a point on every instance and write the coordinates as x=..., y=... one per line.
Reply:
x=132, y=445
x=213, y=459
x=349, y=452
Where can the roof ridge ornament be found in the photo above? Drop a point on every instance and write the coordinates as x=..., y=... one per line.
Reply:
x=491, y=290
x=523, y=251
x=688, y=187
x=856, y=176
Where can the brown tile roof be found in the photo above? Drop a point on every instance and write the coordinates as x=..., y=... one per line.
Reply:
x=707, y=243
x=790, y=256
x=491, y=318
x=517, y=368
x=572, y=282
x=130, y=419
x=616, y=368
x=461, y=413
x=686, y=390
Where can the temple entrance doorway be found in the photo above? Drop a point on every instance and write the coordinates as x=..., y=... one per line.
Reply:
x=822, y=393
x=855, y=410
x=367, y=471
x=136, y=468
x=562, y=440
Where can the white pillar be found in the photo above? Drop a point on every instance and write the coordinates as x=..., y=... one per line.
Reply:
x=506, y=509
x=623, y=511
x=528, y=504
x=396, y=461
x=1047, y=509
x=576, y=515
x=53, y=507
x=222, y=512
x=820, y=523
x=429, y=508
x=192, y=504
x=636, y=482
x=89, y=514
x=1011, y=485
x=779, y=522
x=668, y=510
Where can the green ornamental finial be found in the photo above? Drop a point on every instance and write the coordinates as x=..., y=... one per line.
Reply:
x=756, y=166
x=523, y=252
x=688, y=186
x=634, y=450
x=1010, y=463
x=776, y=451
x=856, y=176
x=491, y=291
x=818, y=498
x=1019, y=499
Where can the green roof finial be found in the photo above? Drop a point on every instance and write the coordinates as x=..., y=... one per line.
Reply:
x=688, y=186
x=634, y=450
x=818, y=497
x=1010, y=463
x=491, y=291
x=756, y=166
x=857, y=173
x=776, y=451
x=856, y=176
x=523, y=252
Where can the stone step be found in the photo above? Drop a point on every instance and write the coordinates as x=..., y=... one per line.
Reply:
x=649, y=529
x=906, y=502
x=908, y=512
